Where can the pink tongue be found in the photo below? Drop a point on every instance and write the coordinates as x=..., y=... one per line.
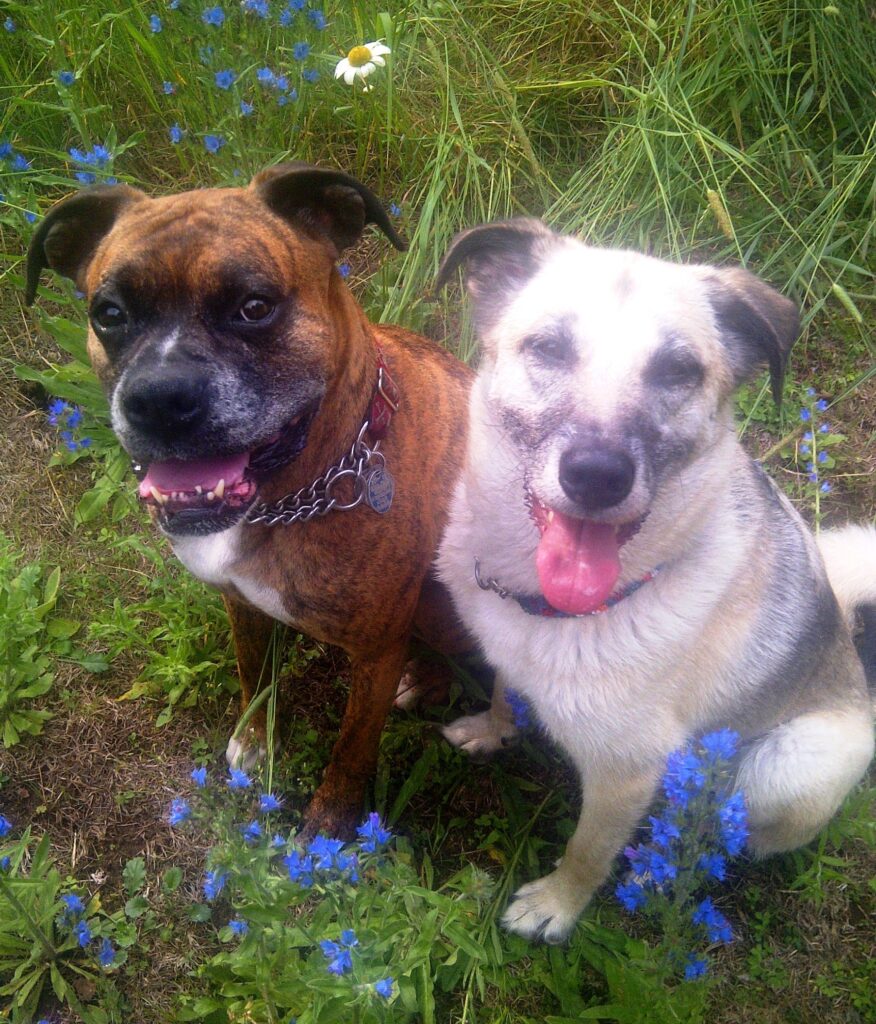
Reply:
x=578, y=563
x=176, y=475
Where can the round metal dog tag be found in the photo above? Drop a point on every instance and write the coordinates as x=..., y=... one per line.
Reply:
x=379, y=489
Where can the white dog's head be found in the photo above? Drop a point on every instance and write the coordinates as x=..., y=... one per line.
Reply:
x=610, y=372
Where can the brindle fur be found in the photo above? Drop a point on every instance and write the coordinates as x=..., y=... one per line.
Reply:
x=354, y=578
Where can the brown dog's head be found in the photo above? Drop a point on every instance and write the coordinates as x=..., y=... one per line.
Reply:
x=611, y=373
x=213, y=323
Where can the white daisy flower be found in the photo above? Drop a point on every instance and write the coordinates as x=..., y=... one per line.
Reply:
x=361, y=61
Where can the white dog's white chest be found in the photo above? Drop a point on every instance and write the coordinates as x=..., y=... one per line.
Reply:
x=215, y=559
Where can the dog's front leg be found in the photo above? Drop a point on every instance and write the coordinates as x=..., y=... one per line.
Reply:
x=336, y=807
x=251, y=630
x=611, y=805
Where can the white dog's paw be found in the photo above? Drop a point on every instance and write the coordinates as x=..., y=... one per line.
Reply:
x=244, y=752
x=543, y=911
x=479, y=735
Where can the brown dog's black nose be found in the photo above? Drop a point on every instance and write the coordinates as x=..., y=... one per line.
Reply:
x=160, y=405
x=596, y=478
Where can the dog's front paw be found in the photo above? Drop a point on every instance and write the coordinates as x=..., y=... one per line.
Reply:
x=481, y=735
x=245, y=751
x=544, y=910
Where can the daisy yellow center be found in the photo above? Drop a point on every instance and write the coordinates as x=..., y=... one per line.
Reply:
x=359, y=56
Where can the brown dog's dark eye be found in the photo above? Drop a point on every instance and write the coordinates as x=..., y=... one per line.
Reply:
x=255, y=309
x=108, y=317
x=674, y=368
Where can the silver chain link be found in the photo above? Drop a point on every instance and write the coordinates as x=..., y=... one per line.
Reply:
x=317, y=499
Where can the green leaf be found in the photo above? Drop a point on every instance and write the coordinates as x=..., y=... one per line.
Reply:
x=61, y=629
x=134, y=876
x=171, y=879
x=136, y=907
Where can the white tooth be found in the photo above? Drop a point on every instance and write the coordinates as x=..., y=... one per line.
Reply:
x=211, y=496
x=199, y=489
x=157, y=495
x=220, y=489
x=550, y=515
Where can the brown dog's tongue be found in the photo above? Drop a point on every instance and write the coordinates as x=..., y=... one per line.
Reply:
x=578, y=563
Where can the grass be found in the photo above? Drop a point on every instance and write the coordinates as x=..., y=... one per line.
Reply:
x=737, y=132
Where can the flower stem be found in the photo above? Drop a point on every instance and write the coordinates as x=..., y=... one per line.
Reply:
x=31, y=925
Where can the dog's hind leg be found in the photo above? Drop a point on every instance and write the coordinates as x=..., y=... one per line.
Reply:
x=483, y=734
x=251, y=630
x=611, y=805
x=797, y=775
x=336, y=807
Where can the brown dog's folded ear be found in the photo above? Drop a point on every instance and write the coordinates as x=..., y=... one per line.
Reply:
x=758, y=325
x=324, y=201
x=504, y=252
x=70, y=232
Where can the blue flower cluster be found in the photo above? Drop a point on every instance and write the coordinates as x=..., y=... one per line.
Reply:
x=809, y=449
x=17, y=161
x=68, y=418
x=98, y=158
x=286, y=93
x=520, y=709
x=73, y=919
x=701, y=826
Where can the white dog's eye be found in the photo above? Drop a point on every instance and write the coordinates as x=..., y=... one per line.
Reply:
x=550, y=349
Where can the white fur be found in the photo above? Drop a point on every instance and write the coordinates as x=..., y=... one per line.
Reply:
x=849, y=555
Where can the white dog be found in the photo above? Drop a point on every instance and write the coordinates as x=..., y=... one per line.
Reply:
x=625, y=566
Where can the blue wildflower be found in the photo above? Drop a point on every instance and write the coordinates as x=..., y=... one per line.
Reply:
x=663, y=831
x=714, y=865
x=648, y=861
x=695, y=968
x=822, y=457
x=73, y=905
x=173, y=5
x=281, y=83
x=268, y=802
x=278, y=842
x=213, y=16
x=5, y=861
x=176, y=134
x=225, y=79
x=344, y=269
x=66, y=77
x=85, y=442
x=179, y=812
x=631, y=895
x=286, y=18
x=311, y=75
x=805, y=415
x=805, y=449
x=238, y=927
x=384, y=987
x=519, y=709
x=717, y=926
x=266, y=76
x=297, y=5
x=810, y=392
x=30, y=217
x=5, y=823
x=325, y=852
x=6, y=150
x=720, y=745
x=300, y=869
x=259, y=7
x=82, y=933
x=394, y=210
x=199, y=777
x=214, y=883
x=246, y=108
x=301, y=51
x=824, y=428
x=106, y=955
x=237, y=778
x=807, y=436
x=812, y=478
x=684, y=776
x=75, y=418
x=251, y=832
x=20, y=163
x=168, y=88
x=9, y=25
x=205, y=54
x=348, y=938
x=155, y=24
x=373, y=833
x=318, y=19
x=821, y=405
x=733, y=818
x=340, y=960
x=826, y=488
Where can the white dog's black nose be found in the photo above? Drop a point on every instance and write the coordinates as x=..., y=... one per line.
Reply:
x=596, y=478
x=166, y=404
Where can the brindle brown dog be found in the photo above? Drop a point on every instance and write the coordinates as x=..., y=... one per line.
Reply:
x=250, y=387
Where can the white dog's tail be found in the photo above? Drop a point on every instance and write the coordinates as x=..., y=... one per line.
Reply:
x=849, y=554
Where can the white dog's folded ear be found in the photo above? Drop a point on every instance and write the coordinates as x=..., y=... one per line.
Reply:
x=758, y=325
x=496, y=257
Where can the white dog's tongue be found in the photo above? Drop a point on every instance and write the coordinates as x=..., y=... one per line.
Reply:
x=177, y=475
x=578, y=563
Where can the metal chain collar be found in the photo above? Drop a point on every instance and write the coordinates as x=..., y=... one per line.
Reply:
x=317, y=499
